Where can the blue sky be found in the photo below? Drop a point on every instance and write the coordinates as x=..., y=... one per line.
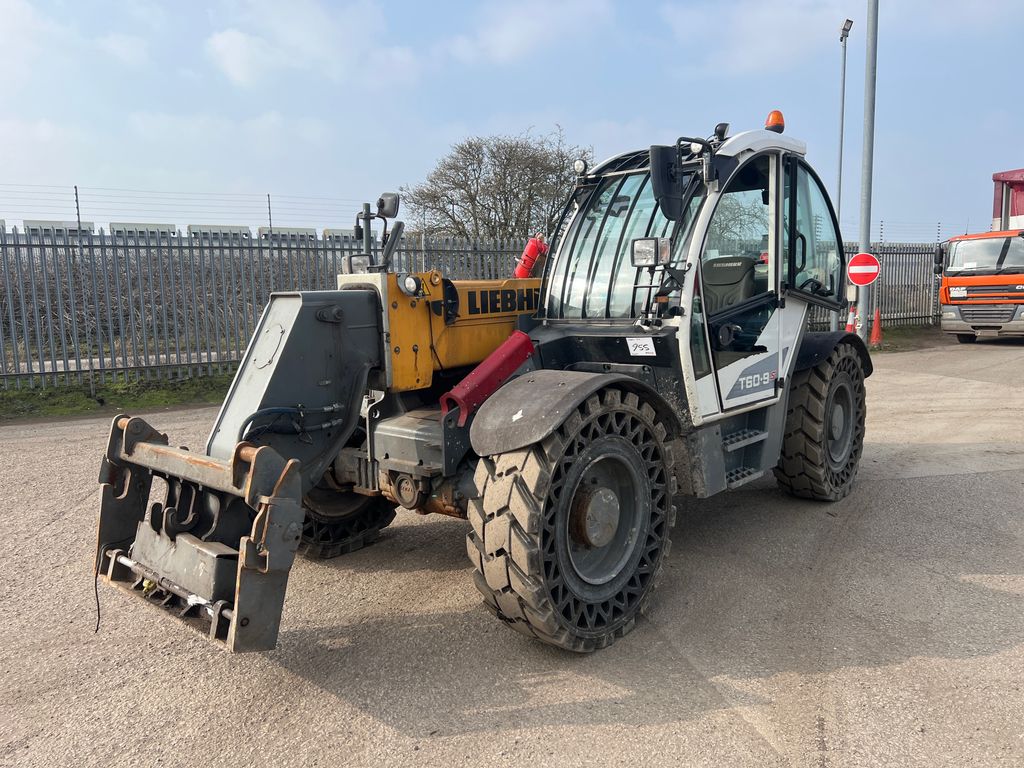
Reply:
x=341, y=100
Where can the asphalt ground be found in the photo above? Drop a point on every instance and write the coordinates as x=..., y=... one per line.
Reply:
x=887, y=629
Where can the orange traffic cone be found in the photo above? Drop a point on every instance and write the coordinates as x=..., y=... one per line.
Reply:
x=876, y=329
x=851, y=320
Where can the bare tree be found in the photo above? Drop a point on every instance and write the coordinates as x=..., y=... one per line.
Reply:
x=496, y=187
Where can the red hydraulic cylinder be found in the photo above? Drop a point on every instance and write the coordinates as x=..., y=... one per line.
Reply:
x=484, y=380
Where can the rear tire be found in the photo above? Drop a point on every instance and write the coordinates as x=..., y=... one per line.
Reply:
x=824, y=435
x=966, y=338
x=339, y=522
x=570, y=534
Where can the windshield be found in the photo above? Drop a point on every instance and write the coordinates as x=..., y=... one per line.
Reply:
x=593, y=275
x=990, y=254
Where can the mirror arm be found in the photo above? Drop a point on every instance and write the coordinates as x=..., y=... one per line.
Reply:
x=707, y=151
x=676, y=275
x=390, y=247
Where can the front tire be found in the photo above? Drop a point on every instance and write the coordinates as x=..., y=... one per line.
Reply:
x=570, y=534
x=824, y=428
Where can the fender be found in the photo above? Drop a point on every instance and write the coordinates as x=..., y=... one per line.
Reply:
x=815, y=347
x=530, y=407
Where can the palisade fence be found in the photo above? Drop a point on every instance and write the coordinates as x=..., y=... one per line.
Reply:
x=87, y=308
x=906, y=291
x=77, y=307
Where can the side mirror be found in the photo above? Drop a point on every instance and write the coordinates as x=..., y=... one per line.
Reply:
x=938, y=269
x=667, y=182
x=940, y=256
x=650, y=251
x=387, y=205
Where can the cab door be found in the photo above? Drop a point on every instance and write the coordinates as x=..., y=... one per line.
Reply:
x=735, y=309
x=813, y=265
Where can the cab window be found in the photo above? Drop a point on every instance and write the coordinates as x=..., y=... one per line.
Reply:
x=733, y=298
x=814, y=265
x=596, y=278
x=734, y=262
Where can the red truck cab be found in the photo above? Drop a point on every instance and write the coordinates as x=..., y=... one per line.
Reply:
x=982, y=288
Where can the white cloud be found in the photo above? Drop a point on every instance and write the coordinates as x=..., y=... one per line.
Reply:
x=38, y=150
x=147, y=12
x=26, y=35
x=752, y=36
x=242, y=57
x=756, y=37
x=340, y=43
x=128, y=49
x=507, y=32
x=227, y=139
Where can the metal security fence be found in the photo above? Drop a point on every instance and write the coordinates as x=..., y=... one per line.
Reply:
x=905, y=292
x=78, y=306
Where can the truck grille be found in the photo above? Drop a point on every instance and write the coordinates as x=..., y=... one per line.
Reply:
x=988, y=315
x=984, y=291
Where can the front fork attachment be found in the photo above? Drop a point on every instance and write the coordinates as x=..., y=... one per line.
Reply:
x=240, y=592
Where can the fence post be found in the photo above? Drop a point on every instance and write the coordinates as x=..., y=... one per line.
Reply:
x=26, y=327
x=7, y=297
x=112, y=240
x=9, y=293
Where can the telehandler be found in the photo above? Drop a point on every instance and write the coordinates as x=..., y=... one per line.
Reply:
x=664, y=352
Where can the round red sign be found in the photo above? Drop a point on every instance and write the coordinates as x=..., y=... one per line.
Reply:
x=863, y=269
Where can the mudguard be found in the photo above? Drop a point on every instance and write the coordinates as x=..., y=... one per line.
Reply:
x=529, y=408
x=815, y=347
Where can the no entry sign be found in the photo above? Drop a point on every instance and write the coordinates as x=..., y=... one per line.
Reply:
x=863, y=269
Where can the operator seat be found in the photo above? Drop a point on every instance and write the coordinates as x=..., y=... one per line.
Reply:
x=728, y=280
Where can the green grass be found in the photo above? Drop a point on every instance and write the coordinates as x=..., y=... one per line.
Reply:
x=906, y=338
x=75, y=400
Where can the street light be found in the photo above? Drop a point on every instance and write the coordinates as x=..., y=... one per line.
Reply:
x=844, y=33
x=868, y=155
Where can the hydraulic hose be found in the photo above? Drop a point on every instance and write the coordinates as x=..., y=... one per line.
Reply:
x=293, y=411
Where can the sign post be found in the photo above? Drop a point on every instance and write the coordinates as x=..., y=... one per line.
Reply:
x=862, y=270
x=867, y=159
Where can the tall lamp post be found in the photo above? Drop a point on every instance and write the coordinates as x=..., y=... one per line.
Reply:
x=844, y=33
x=868, y=157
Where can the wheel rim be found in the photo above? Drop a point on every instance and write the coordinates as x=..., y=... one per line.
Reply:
x=603, y=519
x=840, y=423
x=599, y=586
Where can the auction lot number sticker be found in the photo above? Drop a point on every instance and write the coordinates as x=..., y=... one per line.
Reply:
x=641, y=347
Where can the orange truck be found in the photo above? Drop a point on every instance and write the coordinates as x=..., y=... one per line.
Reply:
x=982, y=289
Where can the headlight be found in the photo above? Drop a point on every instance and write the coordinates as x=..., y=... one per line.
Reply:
x=651, y=251
x=410, y=285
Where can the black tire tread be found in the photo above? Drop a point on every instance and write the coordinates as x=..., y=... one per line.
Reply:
x=504, y=543
x=349, y=535
x=802, y=470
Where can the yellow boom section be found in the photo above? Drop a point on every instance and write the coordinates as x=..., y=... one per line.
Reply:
x=424, y=336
